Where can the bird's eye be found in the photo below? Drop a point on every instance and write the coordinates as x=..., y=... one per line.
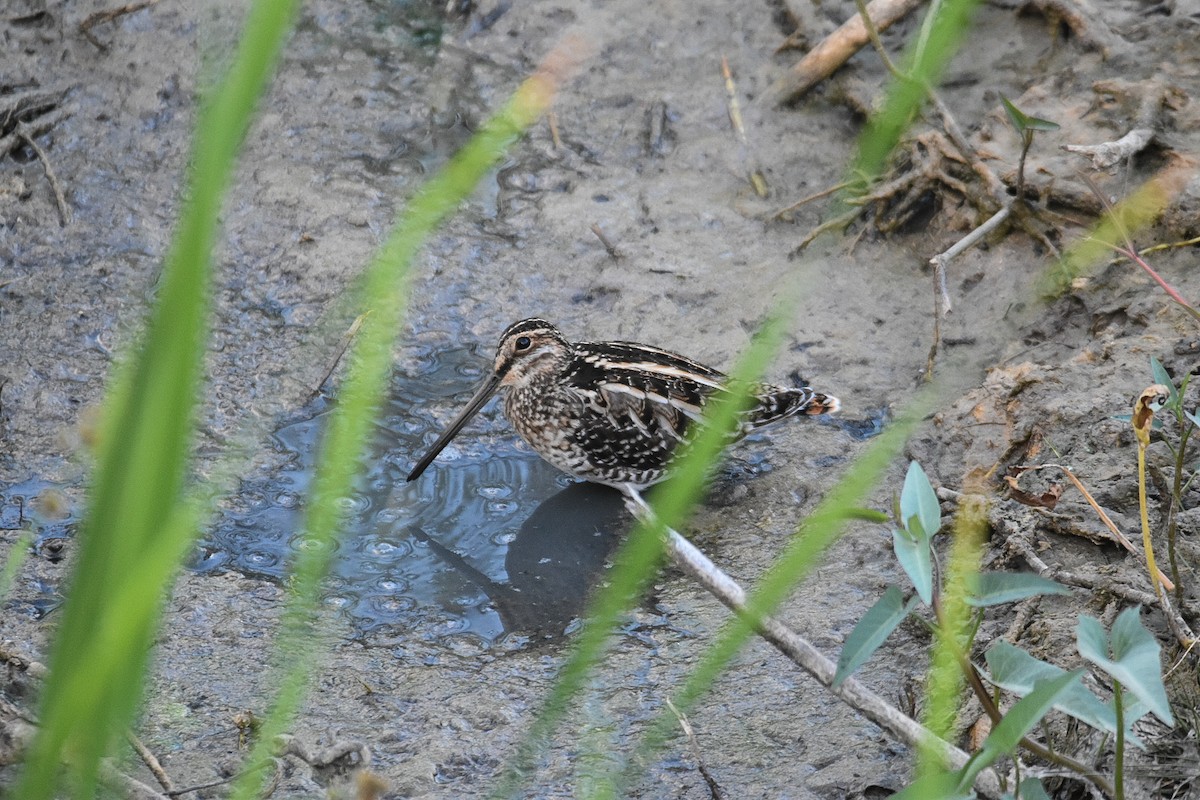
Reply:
x=523, y=343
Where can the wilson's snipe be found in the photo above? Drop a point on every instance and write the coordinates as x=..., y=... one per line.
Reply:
x=610, y=412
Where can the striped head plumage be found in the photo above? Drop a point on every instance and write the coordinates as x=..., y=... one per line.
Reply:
x=611, y=412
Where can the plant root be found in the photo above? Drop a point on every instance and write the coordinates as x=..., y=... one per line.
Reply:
x=1084, y=21
x=1018, y=541
x=109, y=15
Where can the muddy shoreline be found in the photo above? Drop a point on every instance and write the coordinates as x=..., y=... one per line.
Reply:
x=362, y=108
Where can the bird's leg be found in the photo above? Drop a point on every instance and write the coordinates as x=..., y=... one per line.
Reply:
x=685, y=554
x=636, y=504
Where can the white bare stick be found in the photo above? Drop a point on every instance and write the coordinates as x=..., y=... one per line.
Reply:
x=941, y=260
x=799, y=650
x=1105, y=154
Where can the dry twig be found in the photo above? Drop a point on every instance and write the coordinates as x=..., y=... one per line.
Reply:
x=343, y=346
x=1084, y=20
x=64, y=211
x=1117, y=536
x=685, y=556
x=835, y=49
x=129, y=787
x=753, y=174
x=609, y=247
x=714, y=789
x=109, y=15
x=151, y=762
x=1017, y=540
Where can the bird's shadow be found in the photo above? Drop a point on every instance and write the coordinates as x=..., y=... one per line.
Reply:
x=561, y=549
x=552, y=563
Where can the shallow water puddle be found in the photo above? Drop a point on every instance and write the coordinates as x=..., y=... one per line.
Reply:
x=491, y=546
x=489, y=541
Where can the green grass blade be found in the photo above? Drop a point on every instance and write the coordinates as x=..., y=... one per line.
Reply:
x=638, y=558
x=14, y=561
x=142, y=457
x=820, y=530
x=952, y=635
x=923, y=65
x=384, y=292
x=1136, y=211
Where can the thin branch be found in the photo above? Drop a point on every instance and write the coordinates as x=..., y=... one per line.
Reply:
x=1118, y=537
x=99, y=17
x=799, y=650
x=837, y=48
x=64, y=211
x=609, y=247
x=151, y=762
x=714, y=788
x=347, y=338
x=781, y=213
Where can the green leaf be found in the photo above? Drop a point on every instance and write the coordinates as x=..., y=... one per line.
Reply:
x=995, y=588
x=1022, y=122
x=918, y=499
x=1032, y=789
x=1016, y=116
x=1134, y=658
x=1192, y=418
x=914, y=556
x=1019, y=720
x=1016, y=671
x=1038, y=124
x=1160, y=376
x=938, y=786
x=867, y=515
x=871, y=631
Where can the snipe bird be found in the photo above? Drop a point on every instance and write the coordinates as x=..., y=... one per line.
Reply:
x=611, y=412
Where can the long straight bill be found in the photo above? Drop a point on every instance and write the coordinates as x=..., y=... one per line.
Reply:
x=464, y=416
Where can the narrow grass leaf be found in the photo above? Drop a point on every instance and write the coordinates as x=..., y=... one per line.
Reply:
x=1019, y=720
x=867, y=515
x=384, y=289
x=1032, y=789
x=945, y=24
x=637, y=561
x=935, y=786
x=1134, y=660
x=945, y=678
x=1135, y=212
x=871, y=631
x=996, y=588
x=16, y=558
x=126, y=541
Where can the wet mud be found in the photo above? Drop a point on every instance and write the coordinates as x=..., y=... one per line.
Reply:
x=454, y=596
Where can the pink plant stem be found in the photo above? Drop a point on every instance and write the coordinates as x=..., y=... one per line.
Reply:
x=1137, y=259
